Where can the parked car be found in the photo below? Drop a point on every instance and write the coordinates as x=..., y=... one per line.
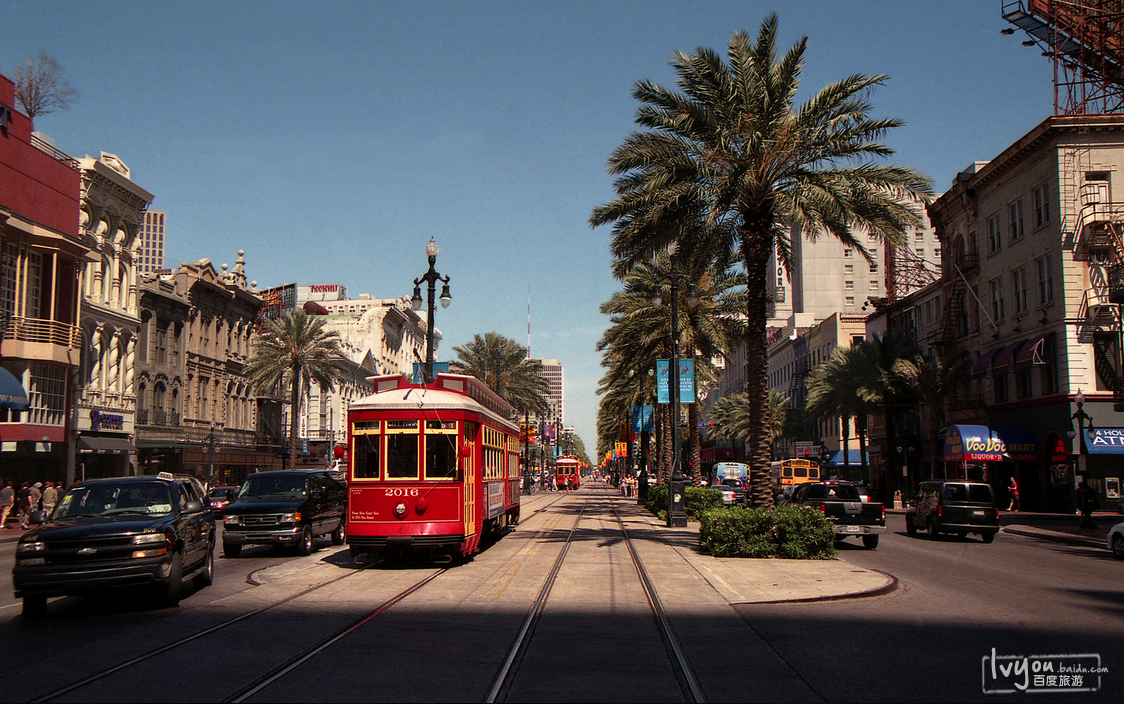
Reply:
x=958, y=507
x=845, y=508
x=220, y=496
x=733, y=491
x=107, y=533
x=1115, y=540
x=784, y=494
x=292, y=507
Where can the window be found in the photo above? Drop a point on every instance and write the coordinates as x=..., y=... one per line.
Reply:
x=440, y=449
x=1015, y=219
x=848, y=268
x=993, y=236
x=1045, y=280
x=999, y=382
x=1018, y=289
x=1022, y=383
x=848, y=253
x=401, y=449
x=873, y=284
x=997, y=299
x=1041, y=206
x=366, y=453
x=849, y=285
x=849, y=301
x=920, y=252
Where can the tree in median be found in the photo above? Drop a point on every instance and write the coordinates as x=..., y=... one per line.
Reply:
x=734, y=149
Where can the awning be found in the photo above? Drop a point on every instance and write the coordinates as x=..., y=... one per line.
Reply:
x=972, y=443
x=1105, y=441
x=104, y=446
x=984, y=362
x=1003, y=357
x=1020, y=442
x=1031, y=351
x=12, y=393
x=854, y=458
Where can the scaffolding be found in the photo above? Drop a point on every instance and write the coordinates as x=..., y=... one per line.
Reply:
x=1085, y=41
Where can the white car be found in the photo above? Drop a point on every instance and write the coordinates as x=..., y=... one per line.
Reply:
x=1115, y=541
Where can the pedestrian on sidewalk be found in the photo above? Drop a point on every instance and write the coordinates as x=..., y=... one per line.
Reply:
x=1013, y=490
x=1087, y=501
x=7, y=500
x=50, y=498
x=23, y=504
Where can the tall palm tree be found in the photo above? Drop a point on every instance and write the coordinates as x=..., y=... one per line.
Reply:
x=733, y=151
x=932, y=380
x=502, y=364
x=832, y=390
x=732, y=419
x=293, y=351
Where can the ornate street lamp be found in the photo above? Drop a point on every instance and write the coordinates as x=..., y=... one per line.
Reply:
x=431, y=277
x=1084, y=502
x=676, y=510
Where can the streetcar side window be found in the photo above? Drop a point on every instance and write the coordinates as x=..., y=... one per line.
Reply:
x=367, y=456
x=402, y=449
x=440, y=450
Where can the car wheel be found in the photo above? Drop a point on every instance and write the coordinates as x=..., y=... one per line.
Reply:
x=304, y=547
x=934, y=534
x=339, y=533
x=1117, y=549
x=231, y=549
x=988, y=537
x=910, y=528
x=207, y=576
x=34, y=606
x=870, y=542
x=173, y=590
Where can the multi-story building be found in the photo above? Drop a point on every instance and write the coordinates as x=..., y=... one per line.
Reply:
x=112, y=209
x=196, y=410
x=41, y=259
x=151, y=255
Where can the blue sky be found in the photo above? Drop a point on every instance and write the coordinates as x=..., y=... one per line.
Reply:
x=331, y=140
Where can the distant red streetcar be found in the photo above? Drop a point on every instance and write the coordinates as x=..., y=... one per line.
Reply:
x=433, y=467
x=568, y=472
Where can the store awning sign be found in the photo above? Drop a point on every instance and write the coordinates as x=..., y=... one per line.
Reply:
x=1106, y=441
x=973, y=443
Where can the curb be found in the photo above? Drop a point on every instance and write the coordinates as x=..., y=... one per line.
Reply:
x=1054, y=536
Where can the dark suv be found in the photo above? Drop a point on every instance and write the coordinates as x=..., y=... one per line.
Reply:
x=959, y=507
x=291, y=507
x=150, y=530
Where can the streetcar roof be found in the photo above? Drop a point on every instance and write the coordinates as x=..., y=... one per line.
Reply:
x=448, y=392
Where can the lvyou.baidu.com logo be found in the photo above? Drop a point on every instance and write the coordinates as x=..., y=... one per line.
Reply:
x=1008, y=674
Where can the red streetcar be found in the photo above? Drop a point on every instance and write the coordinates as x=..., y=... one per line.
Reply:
x=433, y=467
x=568, y=472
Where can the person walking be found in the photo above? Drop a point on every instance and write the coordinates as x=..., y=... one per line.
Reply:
x=7, y=500
x=1013, y=490
x=50, y=498
x=23, y=504
x=36, y=496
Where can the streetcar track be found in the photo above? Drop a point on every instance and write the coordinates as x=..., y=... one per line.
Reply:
x=684, y=674
x=293, y=662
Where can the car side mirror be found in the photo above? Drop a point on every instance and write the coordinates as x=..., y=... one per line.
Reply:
x=193, y=507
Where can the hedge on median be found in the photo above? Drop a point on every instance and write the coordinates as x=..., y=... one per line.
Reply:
x=697, y=500
x=793, y=532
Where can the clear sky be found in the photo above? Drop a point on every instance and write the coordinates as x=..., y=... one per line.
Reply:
x=331, y=140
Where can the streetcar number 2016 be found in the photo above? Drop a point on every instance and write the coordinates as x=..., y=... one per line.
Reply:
x=401, y=492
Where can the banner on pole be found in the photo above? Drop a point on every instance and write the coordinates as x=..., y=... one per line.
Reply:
x=686, y=381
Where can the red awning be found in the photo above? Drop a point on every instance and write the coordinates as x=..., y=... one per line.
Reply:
x=1002, y=360
x=984, y=362
x=1031, y=351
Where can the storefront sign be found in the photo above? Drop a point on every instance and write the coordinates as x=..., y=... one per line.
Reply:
x=972, y=443
x=106, y=421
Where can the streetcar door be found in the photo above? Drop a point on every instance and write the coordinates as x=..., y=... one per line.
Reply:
x=469, y=460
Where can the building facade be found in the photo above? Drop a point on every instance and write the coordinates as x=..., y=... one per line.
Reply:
x=151, y=256
x=41, y=262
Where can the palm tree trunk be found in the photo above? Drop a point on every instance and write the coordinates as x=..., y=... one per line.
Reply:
x=696, y=443
x=757, y=242
x=294, y=412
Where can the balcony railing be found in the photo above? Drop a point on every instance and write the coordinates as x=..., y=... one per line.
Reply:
x=51, y=332
x=158, y=416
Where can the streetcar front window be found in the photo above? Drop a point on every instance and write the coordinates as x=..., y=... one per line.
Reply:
x=440, y=456
x=402, y=455
x=367, y=456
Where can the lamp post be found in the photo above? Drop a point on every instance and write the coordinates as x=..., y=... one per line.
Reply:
x=676, y=511
x=1085, y=497
x=211, y=451
x=431, y=277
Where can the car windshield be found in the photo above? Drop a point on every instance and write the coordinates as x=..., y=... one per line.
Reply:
x=109, y=498
x=220, y=492
x=272, y=486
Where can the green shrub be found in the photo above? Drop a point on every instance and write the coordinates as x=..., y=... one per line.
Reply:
x=794, y=532
x=697, y=500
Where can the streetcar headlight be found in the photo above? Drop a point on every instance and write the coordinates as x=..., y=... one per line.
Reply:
x=400, y=510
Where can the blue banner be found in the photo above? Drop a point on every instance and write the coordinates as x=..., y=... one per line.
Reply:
x=643, y=419
x=686, y=381
x=438, y=368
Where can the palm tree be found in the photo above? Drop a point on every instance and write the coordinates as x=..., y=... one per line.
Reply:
x=733, y=152
x=293, y=351
x=832, y=390
x=502, y=364
x=932, y=380
x=732, y=420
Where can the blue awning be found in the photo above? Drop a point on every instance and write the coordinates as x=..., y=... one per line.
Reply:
x=972, y=443
x=1105, y=441
x=854, y=458
x=12, y=393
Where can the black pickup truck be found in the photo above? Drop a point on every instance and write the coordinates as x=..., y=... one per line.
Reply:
x=843, y=505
